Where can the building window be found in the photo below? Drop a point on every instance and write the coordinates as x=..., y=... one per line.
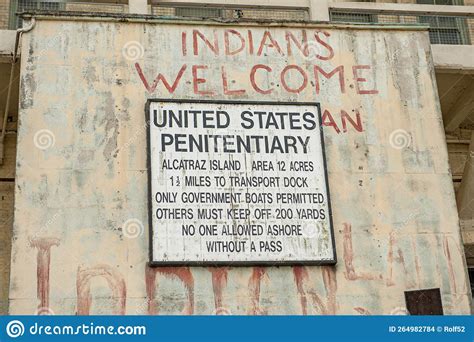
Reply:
x=199, y=12
x=440, y=2
x=18, y=6
x=445, y=30
x=353, y=17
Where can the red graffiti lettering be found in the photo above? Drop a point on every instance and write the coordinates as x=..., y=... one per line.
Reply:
x=359, y=79
x=339, y=70
x=254, y=83
x=324, y=44
x=219, y=282
x=225, y=84
x=43, y=261
x=272, y=44
x=181, y=273
x=302, y=46
x=348, y=253
x=328, y=120
x=301, y=72
x=214, y=47
x=254, y=288
x=330, y=284
x=199, y=80
x=160, y=77
x=114, y=280
x=357, y=124
x=233, y=33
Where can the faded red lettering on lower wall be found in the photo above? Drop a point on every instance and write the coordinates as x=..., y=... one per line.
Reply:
x=362, y=311
x=308, y=289
x=43, y=261
x=114, y=280
x=219, y=282
x=181, y=273
x=305, y=290
x=449, y=258
x=398, y=258
x=330, y=284
x=255, y=282
x=348, y=256
x=300, y=274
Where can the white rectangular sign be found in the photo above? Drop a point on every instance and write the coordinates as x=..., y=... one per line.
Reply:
x=238, y=183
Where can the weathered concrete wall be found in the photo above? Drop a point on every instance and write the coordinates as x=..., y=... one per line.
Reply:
x=81, y=168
